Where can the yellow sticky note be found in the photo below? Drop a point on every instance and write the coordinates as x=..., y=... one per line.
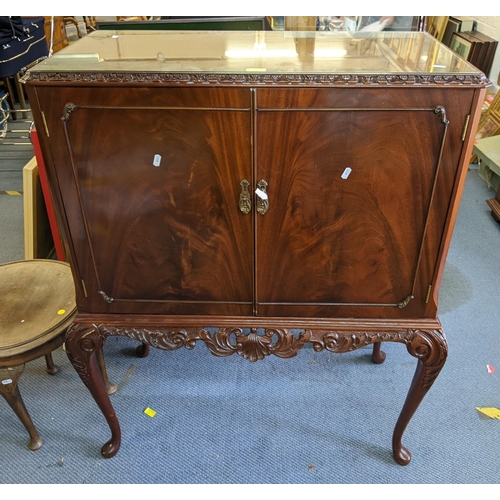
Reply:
x=149, y=412
x=61, y=312
x=490, y=412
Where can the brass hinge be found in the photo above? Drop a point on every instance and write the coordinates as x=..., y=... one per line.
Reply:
x=84, y=288
x=466, y=126
x=428, y=296
x=45, y=125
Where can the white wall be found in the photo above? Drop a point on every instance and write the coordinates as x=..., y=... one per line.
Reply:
x=490, y=25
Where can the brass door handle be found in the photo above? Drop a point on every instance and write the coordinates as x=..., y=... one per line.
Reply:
x=245, y=198
x=262, y=198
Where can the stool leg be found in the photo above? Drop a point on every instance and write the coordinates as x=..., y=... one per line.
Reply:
x=9, y=390
x=51, y=367
x=10, y=98
x=110, y=388
x=20, y=92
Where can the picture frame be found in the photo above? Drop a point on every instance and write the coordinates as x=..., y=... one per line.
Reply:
x=436, y=26
x=461, y=45
x=453, y=26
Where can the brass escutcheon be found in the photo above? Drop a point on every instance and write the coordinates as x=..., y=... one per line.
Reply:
x=262, y=199
x=245, y=199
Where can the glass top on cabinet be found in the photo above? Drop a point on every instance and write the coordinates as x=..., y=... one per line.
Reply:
x=258, y=52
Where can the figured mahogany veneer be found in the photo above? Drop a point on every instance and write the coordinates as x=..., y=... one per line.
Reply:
x=360, y=177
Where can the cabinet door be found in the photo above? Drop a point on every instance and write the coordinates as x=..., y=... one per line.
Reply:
x=150, y=180
x=351, y=195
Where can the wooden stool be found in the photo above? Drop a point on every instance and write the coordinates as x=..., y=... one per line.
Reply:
x=37, y=305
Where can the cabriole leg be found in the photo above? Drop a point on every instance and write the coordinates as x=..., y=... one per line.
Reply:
x=142, y=350
x=83, y=342
x=431, y=349
x=378, y=356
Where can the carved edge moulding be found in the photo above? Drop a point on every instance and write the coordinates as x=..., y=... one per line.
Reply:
x=429, y=346
x=258, y=79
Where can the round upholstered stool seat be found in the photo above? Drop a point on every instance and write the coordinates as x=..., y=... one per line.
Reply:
x=37, y=305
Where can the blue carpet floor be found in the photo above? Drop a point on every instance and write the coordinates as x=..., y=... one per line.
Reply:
x=318, y=418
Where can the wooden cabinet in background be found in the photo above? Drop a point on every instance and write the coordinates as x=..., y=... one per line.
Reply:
x=203, y=182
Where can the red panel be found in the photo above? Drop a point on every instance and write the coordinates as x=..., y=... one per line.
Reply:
x=47, y=196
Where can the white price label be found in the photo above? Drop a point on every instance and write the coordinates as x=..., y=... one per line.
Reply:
x=346, y=173
x=7, y=381
x=261, y=194
x=157, y=160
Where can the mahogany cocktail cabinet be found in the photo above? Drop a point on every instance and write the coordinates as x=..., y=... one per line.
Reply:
x=257, y=191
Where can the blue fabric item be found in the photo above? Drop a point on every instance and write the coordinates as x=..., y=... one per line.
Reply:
x=22, y=41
